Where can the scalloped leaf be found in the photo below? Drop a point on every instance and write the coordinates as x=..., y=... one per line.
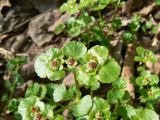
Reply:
x=109, y=72
x=41, y=65
x=54, y=53
x=25, y=106
x=100, y=105
x=146, y=114
x=83, y=106
x=100, y=52
x=59, y=93
x=74, y=49
x=55, y=75
x=32, y=90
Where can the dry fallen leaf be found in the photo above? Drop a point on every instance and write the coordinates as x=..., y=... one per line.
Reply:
x=4, y=3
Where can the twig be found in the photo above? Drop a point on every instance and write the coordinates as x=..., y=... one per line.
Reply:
x=148, y=9
x=6, y=53
x=128, y=67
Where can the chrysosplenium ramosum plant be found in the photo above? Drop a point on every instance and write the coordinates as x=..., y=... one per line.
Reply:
x=147, y=81
x=91, y=68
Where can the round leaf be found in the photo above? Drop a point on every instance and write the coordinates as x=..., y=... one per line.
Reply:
x=75, y=49
x=83, y=106
x=109, y=72
x=59, y=93
x=100, y=52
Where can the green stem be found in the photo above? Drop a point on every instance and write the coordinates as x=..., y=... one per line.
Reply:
x=100, y=16
x=116, y=106
x=65, y=107
x=77, y=87
x=12, y=92
x=91, y=93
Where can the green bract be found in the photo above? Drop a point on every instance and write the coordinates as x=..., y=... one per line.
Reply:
x=50, y=64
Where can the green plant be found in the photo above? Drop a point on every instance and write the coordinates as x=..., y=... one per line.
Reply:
x=147, y=82
x=91, y=68
x=157, y=2
x=135, y=24
x=72, y=6
x=14, y=79
x=128, y=37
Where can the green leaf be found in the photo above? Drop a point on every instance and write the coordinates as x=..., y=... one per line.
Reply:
x=111, y=97
x=41, y=65
x=44, y=68
x=157, y=2
x=100, y=53
x=59, y=117
x=70, y=7
x=145, y=55
x=126, y=111
x=33, y=90
x=121, y=83
x=13, y=104
x=55, y=75
x=146, y=114
x=42, y=92
x=134, y=26
x=83, y=106
x=75, y=50
x=84, y=3
x=100, y=106
x=25, y=106
x=53, y=53
x=14, y=63
x=101, y=4
x=88, y=80
x=50, y=89
x=148, y=25
x=109, y=72
x=59, y=93
x=116, y=23
x=128, y=37
x=48, y=111
x=59, y=29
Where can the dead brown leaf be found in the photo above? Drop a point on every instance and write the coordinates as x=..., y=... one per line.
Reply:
x=4, y=3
